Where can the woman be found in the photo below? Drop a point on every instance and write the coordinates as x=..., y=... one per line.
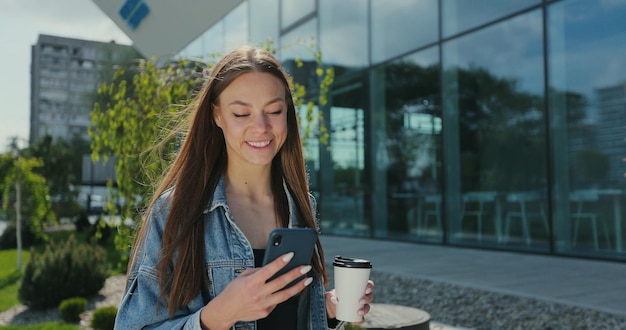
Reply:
x=239, y=174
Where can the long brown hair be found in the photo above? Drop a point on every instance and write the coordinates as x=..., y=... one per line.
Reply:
x=201, y=162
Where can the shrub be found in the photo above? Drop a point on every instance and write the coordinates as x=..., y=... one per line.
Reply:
x=71, y=308
x=103, y=318
x=67, y=270
x=8, y=240
x=99, y=232
x=82, y=222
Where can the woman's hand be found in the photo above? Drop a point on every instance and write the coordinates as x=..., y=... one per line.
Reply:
x=249, y=297
x=331, y=302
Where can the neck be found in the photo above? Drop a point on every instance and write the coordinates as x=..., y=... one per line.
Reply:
x=255, y=181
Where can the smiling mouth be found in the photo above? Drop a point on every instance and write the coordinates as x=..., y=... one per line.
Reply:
x=260, y=144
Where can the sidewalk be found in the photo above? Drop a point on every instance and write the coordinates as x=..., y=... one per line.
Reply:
x=598, y=285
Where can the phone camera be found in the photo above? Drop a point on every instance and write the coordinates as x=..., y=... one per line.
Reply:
x=277, y=239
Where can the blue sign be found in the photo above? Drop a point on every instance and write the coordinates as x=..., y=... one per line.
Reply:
x=133, y=12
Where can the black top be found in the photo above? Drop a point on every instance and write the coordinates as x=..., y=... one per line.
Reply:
x=285, y=315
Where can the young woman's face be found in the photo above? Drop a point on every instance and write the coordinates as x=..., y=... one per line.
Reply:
x=252, y=113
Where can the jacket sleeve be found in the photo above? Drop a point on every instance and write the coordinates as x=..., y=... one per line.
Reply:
x=141, y=306
x=140, y=309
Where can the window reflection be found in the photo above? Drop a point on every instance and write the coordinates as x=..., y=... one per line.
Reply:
x=236, y=27
x=412, y=129
x=587, y=84
x=264, y=23
x=294, y=10
x=344, y=23
x=210, y=43
x=501, y=139
x=461, y=15
x=343, y=196
x=401, y=26
x=301, y=44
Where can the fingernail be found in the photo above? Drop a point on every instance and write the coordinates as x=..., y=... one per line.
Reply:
x=288, y=256
x=362, y=302
x=308, y=281
x=333, y=299
x=305, y=269
x=368, y=290
x=361, y=312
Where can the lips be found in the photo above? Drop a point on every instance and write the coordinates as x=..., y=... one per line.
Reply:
x=259, y=144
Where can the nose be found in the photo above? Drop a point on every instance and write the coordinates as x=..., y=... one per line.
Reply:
x=260, y=123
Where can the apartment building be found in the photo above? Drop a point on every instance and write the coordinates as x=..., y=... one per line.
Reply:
x=65, y=75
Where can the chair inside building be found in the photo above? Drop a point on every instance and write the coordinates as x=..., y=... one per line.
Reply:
x=525, y=207
x=582, y=201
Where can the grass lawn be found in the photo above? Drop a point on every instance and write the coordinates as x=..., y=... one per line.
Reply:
x=41, y=326
x=10, y=277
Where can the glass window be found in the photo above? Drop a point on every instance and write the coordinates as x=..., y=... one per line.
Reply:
x=342, y=181
x=588, y=106
x=407, y=127
x=300, y=44
x=264, y=23
x=461, y=15
x=343, y=33
x=293, y=10
x=209, y=43
x=236, y=27
x=401, y=26
x=495, y=135
x=194, y=50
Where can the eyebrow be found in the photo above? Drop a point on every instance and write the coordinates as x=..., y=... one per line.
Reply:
x=274, y=100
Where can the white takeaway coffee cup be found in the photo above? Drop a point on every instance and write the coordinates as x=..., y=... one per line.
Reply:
x=350, y=276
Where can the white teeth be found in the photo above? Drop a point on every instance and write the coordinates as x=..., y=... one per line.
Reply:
x=259, y=144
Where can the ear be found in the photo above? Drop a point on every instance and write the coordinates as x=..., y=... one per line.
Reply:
x=217, y=116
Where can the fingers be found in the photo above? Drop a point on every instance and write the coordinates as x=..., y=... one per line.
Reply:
x=332, y=300
x=273, y=267
x=331, y=304
x=282, y=281
x=276, y=286
x=369, y=292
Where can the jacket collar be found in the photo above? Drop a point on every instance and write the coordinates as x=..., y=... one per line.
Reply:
x=219, y=199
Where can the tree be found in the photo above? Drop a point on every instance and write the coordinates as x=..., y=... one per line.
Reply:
x=17, y=175
x=62, y=167
x=131, y=117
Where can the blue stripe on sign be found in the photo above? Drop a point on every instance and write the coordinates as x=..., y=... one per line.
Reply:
x=127, y=8
x=140, y=13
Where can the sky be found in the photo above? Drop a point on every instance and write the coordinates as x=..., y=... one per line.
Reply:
x=21, y=22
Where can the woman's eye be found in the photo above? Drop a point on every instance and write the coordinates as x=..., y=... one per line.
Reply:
x=240, y=115
x=277, y=112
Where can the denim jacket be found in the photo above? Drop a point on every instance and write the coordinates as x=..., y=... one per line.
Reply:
x=227, y=254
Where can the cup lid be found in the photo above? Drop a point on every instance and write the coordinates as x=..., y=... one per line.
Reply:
x=351, y=262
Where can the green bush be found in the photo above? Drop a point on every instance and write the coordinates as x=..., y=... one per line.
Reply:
x=62, y=271
x=71, y=308
x=8, y=240
x=99, y=232
x=82, y=222
x=103, y=318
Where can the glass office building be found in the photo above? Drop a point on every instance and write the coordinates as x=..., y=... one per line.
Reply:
x=492, y=124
